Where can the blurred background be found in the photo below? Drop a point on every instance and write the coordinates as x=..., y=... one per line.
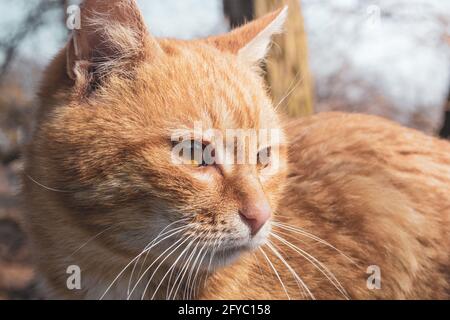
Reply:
x=385, y=57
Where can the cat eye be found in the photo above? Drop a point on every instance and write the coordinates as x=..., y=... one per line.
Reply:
x=263, y=157
x=193, y=153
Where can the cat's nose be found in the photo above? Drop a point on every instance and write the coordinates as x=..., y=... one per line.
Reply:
x=256, y=215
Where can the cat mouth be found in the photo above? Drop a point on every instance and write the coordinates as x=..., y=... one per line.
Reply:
x=230, y=253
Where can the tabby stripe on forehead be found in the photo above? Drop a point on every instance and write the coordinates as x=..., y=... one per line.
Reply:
x=243, y=115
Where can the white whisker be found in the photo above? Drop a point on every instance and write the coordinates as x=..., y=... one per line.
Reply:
x=90, y=240
x=193, y=287
x=165, y=275
x=301, y=284
x=183, y=272
x=276, y=272
x=216, y=245
x=45, y=187
x=292, y=87
x=178, y=245
x=311, y=236
x=316, y=263
x=131, y=262
x=148, y=251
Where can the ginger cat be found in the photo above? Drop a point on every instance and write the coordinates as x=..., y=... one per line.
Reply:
x=354, y=207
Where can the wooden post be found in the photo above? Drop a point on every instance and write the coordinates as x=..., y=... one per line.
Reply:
x=445, y=132
x=238, y=12
x=287, y=67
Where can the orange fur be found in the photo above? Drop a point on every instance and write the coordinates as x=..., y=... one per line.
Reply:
x=99, y=182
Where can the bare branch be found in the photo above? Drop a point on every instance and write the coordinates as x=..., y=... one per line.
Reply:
x=33, y=21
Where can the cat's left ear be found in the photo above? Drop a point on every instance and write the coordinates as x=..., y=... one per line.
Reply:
x=252, y=41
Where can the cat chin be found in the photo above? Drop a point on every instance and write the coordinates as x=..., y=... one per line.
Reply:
x=231, y=254
x=226, y=257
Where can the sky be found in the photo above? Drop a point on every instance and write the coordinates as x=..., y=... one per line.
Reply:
x=393, y=46
x=396, y=46
x=168, y=18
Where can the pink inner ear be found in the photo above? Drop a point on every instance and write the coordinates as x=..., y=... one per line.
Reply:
x=237, y=39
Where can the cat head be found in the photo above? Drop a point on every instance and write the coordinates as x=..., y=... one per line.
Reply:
x=112, y=142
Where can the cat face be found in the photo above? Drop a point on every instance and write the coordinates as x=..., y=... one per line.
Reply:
x=112, y=146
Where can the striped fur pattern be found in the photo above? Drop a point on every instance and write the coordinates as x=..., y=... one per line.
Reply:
x=101, y=192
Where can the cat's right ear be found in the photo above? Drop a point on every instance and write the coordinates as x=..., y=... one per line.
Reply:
x=252, y=41
x=112, y=37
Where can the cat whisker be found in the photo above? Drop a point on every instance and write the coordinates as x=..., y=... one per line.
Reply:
x=177, y=245
x=146, y=255
x=190, y=272
x=166, y=274
x=177, y=283
x=191, y=268
x=216, y=245
x=89, y=241
x=205, y=251
x=44, y=186
x=316, y=263
x=200, y=280
x=292, y=87
x=170, y=288
x=134, y=259
x=185, y=255
x=312, y=237
x=301, y=284
x=169, y=282
x=198, y=238
x=148, y=248
x=276, y=273
x=183, y=272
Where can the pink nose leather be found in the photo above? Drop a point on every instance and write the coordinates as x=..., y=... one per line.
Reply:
x=256, y=214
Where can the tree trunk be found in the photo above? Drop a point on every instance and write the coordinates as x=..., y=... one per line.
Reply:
x=445, y=132
x=288, y=67
x=238, y=12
